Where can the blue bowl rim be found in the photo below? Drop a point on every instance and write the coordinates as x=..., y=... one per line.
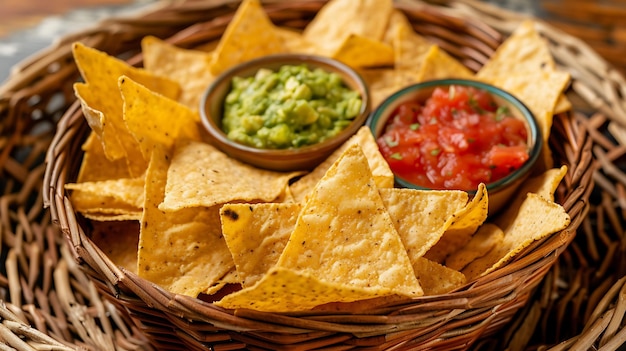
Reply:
x=535, y=132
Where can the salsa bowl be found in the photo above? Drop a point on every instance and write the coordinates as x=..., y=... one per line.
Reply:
x=456, y=134
x=213, y=103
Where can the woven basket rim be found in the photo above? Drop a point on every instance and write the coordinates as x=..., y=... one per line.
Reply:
x=534, y=261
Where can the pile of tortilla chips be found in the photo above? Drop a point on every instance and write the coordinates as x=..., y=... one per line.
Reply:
x=185, y=216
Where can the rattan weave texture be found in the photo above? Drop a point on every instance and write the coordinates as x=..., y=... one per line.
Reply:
x=42, y=286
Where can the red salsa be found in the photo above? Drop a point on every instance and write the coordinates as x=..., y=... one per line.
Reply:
x=457, y=139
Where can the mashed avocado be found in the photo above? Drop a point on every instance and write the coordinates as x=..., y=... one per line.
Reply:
x=290, y=108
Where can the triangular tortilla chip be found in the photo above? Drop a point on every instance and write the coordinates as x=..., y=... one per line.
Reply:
x=383, y=176
x=249, y=35
x=154, y=119
x=190, y=68
x=201, y=175
x=183, y=251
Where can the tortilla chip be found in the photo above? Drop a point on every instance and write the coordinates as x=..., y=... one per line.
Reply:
x=343, y=248
x=201, y=175
x=365, y=18
x=118, y=240
x=486, y=238
x=250, y=34
x=295, y=41
x=460, y=232
x=437, y=64
x=436, y=279
x=190, y=68
x=95, y=166
x=183, y=251
x=113, y=217
x=382, y=83
x=128, y=191
x=154, y=119
x=101, y=100
x=256, y=235
x=537, y=218
x=383, y=176
x=342, y=225
x=543, y=185
x=562, y=105
x=410, y=48
x=525, y=50
x=359, y=51
x=422, y=216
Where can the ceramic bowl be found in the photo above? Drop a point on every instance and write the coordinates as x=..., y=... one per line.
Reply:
x=499, y=191
x=303, y=158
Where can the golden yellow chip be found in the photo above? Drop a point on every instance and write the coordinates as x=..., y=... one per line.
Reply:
x=383, y=176
x=190, y=68
x=118, y=240
x=525, y=50
x=536, y=219
x=421, y=216
x=382, y=83
x=338, y=19
x=486, y=238
x=410, y=50
x=295, y=41
x=343, y=248
x=345, y=235
x=102, y=103
x=201, y=175
x=96, y=166
x=358, y=51
x=256, y=235
x=436, y=279
x=249, y=35
x=154, y=119
x=128, y=191
x=543, y=185
x=461, y=230
x=182, y=251
x=437, y=64
x=128, y=215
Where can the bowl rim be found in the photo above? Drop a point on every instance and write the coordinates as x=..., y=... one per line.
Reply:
x=534, y=130
x=285, y=59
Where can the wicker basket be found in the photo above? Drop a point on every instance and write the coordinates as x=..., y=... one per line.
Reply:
x=44, y=287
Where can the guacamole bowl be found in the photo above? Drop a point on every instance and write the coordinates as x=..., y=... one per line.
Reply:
x=247, y=115
x=457, y=134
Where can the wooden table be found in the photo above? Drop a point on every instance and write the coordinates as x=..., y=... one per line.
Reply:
x=20, y=14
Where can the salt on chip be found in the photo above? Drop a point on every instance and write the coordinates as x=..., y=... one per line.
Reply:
x=366, y=18
x=249, y=35
x=537, y=218
x=463, y=227
x=486, y=238
x=358, y=51
x=102, y=103
x=190, y=68
x=422, y=216
x=182, y=251
x=154, y=119
x=256, y=235
x=201, y=175
x=383, y=176
x=437, y=279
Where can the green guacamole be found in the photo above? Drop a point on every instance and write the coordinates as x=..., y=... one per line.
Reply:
x=290, y=108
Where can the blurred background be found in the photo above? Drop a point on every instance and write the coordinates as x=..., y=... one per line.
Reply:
x=27, y=26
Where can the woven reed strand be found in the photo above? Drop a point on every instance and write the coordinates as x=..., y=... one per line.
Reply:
x=53, y=302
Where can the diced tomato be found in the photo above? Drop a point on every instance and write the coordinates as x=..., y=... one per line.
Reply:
x=457, y=139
